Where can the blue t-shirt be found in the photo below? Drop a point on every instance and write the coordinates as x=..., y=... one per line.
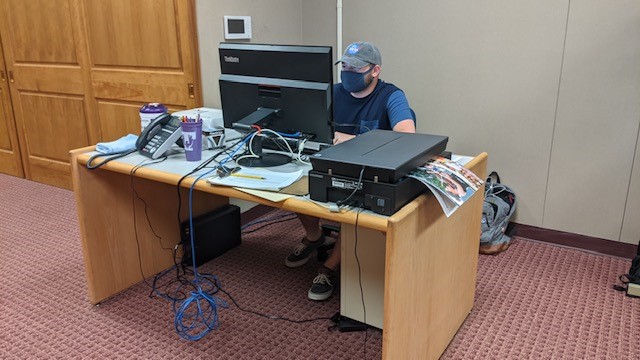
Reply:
x=383, y=109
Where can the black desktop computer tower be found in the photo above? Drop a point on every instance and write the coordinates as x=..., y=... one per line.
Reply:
x=214, y=234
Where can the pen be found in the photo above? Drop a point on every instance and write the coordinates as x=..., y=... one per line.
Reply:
x=248, y=176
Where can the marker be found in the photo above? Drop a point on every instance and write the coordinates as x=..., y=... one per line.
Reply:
x=248, y=176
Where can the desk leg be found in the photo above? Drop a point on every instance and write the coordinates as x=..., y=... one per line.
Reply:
x=113, y=259
x=370, y=273
x=431, y=264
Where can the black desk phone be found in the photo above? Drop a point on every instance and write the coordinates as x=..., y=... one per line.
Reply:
x=158, y=136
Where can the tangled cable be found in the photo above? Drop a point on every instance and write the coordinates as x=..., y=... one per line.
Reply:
x=197, y=315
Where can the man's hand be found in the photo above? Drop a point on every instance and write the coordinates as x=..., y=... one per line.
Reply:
x=339, y=137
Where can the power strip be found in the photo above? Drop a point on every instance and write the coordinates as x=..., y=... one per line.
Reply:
x=346, y=324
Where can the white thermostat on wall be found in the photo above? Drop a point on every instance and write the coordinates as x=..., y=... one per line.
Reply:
x=237, y=27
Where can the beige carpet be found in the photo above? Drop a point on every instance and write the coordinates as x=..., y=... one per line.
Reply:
x=536, y=301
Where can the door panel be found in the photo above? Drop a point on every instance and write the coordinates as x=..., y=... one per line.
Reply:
x=142, y=86
x=10, y=160
x=51, y=125
x=53, y=78
x=133, y=34
x=117, y=119
x=51, y=172
x=135, y=62
x=43, y=52
x=30, y=28
x=5, y=140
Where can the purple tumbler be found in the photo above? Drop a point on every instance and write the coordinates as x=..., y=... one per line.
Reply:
x=148, y=112
x=192, y=140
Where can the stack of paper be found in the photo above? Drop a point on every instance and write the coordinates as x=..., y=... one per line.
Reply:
x=258, y=178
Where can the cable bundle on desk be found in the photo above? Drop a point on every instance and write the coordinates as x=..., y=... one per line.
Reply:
x=296, y=155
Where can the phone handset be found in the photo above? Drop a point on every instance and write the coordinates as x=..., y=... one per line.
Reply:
x=159, y=136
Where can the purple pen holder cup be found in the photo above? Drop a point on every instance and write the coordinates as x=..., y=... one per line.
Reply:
x=192, y=140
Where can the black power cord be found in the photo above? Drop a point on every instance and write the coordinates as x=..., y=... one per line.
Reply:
x=356, y=188
x=108, y=157
x=135, y=195
x=364, y=308
x=272, y=317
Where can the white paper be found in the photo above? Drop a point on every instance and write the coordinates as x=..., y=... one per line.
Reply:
x=267, y=195
x=257, y=178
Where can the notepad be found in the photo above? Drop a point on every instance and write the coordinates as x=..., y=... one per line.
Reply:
x=258, y=178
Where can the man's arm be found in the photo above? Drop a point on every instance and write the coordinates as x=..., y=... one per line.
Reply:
x=400, y=114
x=406, y=125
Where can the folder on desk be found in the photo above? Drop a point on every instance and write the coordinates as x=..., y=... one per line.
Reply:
x=257, y=178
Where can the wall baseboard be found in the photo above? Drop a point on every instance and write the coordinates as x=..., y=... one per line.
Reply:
x=593, y=244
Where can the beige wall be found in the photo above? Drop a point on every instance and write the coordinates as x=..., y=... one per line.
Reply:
x=597, y=120
x=550, y=89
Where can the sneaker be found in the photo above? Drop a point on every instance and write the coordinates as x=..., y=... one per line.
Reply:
x=302, y=251
x=322, y=287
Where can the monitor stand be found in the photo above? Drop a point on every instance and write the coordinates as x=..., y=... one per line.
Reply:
x=263, y=159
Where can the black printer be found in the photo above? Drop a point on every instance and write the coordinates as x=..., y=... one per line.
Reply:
x=370, y=170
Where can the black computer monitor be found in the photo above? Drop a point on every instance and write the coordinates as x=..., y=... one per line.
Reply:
x=285, y=88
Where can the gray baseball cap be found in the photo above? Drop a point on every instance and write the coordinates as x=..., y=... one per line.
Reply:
x=361, y=54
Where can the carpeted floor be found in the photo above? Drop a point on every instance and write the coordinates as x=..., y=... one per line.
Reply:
x=534, y=301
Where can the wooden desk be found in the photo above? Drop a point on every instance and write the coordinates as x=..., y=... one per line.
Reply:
x=430, y=261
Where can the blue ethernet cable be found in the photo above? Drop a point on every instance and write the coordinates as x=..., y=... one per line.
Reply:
x=197, y=315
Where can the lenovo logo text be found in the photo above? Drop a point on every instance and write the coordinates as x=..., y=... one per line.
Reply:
x=231, y=59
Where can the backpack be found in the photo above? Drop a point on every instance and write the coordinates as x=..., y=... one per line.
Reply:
x=633, y=277
x=498, y=207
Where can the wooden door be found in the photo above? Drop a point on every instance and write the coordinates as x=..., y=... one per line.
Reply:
x=10, y=162
x=79, y=70
x=141, y=51
x=44, y=53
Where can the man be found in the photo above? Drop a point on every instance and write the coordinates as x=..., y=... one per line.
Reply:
x=362, y=102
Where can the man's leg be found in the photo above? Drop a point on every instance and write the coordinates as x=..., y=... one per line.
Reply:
x=333, y=261
x=311, y=227
x=312, y=240
x=325, y=281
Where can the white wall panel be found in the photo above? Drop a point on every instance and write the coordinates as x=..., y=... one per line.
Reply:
x=631, y=222
x=597, y=123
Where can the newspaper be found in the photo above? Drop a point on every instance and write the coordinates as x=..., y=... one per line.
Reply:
x=451, y=183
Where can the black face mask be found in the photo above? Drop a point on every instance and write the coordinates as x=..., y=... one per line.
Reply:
x=355, y=82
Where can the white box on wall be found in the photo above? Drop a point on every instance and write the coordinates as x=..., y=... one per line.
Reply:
x=237, y=27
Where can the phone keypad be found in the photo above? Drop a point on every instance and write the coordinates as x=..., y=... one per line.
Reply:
x=160, y=138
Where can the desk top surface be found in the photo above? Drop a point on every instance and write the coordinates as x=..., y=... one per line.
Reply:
x=174, y=167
